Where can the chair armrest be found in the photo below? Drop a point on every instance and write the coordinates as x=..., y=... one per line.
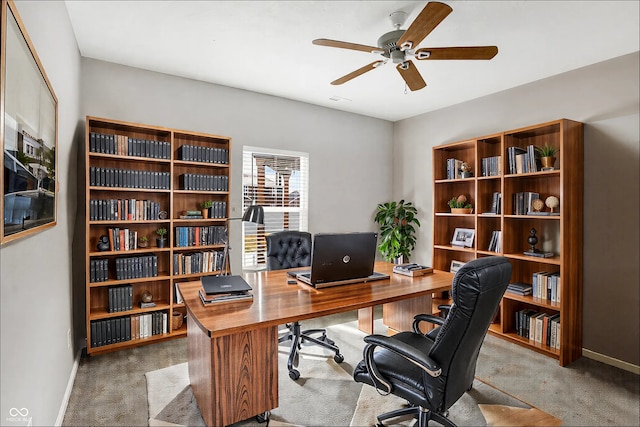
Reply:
x=417, y=319
x=444, y=309
x=422, y=360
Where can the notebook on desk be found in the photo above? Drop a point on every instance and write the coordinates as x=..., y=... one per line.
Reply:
x=340, y=259
x=213, y=285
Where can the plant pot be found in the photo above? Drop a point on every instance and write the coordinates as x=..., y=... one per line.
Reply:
x=161, y=243
x=461, y=210
x=547, y=162
x=205, y=213
x=143, y=244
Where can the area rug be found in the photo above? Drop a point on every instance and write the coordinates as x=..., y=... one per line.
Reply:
x=327, y=395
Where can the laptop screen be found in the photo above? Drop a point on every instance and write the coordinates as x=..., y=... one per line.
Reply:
x=342, y=256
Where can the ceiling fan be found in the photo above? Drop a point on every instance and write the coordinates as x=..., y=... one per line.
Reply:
x=400, y=46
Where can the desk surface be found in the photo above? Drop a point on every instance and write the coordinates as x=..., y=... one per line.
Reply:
x=275, y=302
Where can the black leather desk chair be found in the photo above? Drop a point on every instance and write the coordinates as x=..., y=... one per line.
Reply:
x=291, y=249
x=433, y=371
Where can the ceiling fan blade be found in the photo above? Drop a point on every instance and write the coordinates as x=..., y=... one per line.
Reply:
x=344, y=45
x=432, y=14
x=469, y=52
x=411, y=75
x=356, y=73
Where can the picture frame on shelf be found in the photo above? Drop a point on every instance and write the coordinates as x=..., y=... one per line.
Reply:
x=463, y=237
x=28, y=133
x=455, y=266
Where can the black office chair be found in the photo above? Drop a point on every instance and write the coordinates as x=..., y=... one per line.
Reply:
x=433, y=371
x=290, y=249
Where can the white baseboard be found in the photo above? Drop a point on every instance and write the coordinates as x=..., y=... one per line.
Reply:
x=611, y=361
x=67, y=393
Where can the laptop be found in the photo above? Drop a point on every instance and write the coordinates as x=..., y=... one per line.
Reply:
x=340, y=259
x=224, y=285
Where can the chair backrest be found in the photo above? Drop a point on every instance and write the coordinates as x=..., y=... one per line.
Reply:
x=476, y=292
x=288, y=249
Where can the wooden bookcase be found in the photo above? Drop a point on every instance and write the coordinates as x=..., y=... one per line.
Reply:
x=134, y=180
x=560, y=234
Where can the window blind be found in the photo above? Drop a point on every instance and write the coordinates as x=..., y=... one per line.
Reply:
x=277, y=180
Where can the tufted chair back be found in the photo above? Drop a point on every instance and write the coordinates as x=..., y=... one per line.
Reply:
x=288, y=249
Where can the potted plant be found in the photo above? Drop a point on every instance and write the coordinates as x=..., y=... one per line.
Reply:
x=459, y=205
x=547, y=156
x=398, y=223
x=206, y=206
x=161, y=241
x=143, y=241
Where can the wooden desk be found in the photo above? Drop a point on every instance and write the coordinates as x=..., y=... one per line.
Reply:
x=233, y=347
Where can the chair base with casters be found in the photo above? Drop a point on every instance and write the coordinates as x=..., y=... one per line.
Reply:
x=297, y=337
x=292, y=249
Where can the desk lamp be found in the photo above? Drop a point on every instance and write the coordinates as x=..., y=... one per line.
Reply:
x=255, y=214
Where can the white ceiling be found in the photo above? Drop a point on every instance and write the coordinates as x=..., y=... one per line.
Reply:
x=265, y=46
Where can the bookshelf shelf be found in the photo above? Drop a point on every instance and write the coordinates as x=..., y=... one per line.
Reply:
x=135, y=180
x=504, y=165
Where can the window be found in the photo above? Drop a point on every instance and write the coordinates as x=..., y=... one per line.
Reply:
x=278, y=181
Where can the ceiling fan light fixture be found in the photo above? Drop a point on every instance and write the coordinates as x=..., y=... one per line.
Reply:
x=397, y=56
x=406, y=46
x=424, y=54
x=404, y=65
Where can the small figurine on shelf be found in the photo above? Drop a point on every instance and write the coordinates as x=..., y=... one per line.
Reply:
x=465, y=170
x=537, y=205
x=146, y=300
x=532, y=240
x=552, y=202
x=161, y=241
x=103, y=243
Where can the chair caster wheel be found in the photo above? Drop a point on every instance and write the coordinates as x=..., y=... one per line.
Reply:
x=263, y=418
x=338, y=358
x=294, y=374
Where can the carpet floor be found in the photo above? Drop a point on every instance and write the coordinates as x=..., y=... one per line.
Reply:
x=327, y=395
x=111, y=389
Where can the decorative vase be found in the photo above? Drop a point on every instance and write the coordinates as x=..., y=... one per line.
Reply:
x=399, y=260
x=461, y=210
x=176, y=320
x=547, y=162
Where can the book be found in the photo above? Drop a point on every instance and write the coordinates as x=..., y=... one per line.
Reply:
x=226, y=297
x=520, y=288
x=412, y=270
x=539, y=254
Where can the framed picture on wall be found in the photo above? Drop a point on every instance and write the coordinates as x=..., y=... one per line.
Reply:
x=28, y=132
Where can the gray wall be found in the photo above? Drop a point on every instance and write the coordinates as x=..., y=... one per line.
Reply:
x=605, y=97
x=349, y=167
x=35, y=295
